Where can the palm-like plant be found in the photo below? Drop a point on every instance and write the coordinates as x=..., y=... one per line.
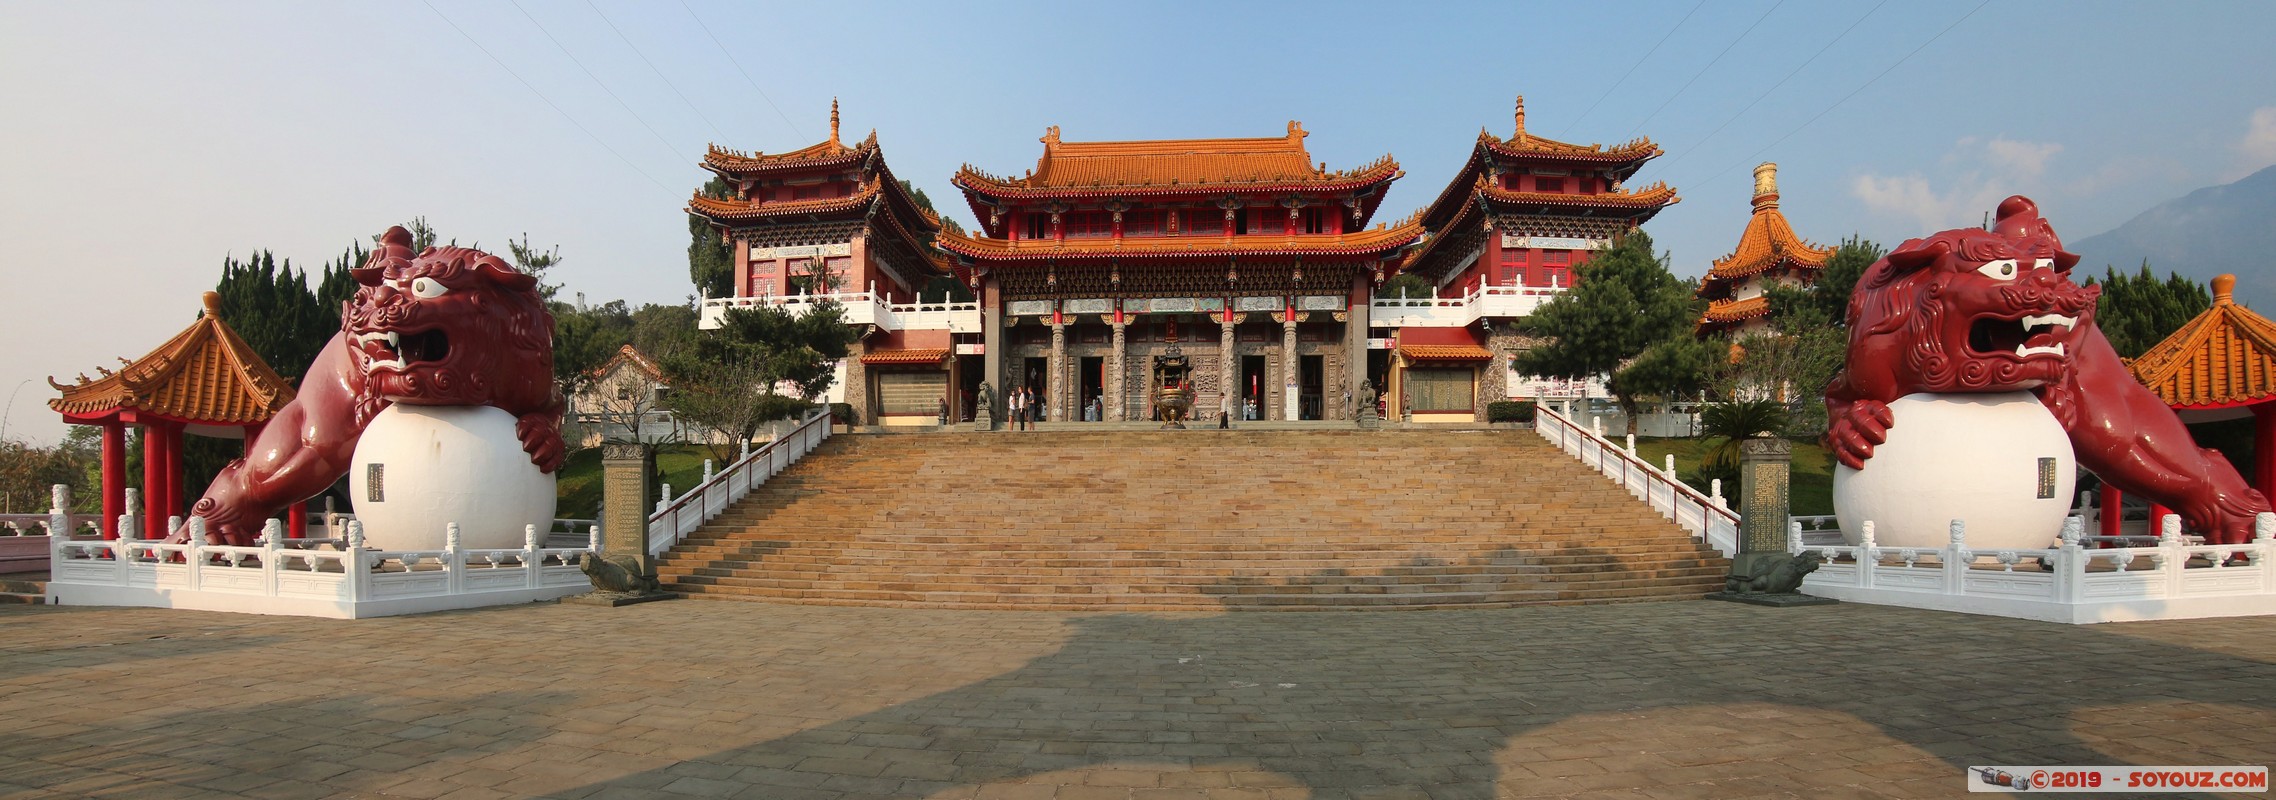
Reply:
x=1724, y=425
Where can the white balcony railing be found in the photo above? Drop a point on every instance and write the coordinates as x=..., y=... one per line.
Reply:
x=861, y=308
x=1454, y=312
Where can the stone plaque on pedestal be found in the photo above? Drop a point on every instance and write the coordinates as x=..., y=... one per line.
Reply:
x=623, y=572
x=1763, y=573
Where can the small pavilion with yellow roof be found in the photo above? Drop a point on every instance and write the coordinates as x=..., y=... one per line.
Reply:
x=1769, y=253
x=2219, y=366
x=206, y=380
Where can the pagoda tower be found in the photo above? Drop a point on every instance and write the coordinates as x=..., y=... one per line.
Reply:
x=1503, y=236
x=830, y=221
x=1243, y=254
x=1768, y=254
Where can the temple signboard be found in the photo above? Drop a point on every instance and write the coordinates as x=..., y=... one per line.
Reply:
x=1512, y=240
x=802, y=251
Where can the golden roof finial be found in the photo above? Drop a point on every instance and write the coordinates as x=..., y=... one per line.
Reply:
x=2224, y=289
x=213, y=305
x=1766, y=185
x=833, y=120
x=1520, y=134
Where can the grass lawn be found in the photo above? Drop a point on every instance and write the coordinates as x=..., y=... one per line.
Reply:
x=580, y=481
x=1811, y=490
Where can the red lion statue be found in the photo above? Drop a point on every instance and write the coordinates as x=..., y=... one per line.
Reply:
x=1971, y=310
x=447, y=326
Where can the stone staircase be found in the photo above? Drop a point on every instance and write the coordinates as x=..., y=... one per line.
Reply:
x=1242, y=520
x=23, y=588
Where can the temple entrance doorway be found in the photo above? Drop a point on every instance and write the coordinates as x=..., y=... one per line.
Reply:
x=1091, y=407
x=1035, y=374
x=1379, y=375
x=1252, y=388
x=968, y=373
x=1311, y=404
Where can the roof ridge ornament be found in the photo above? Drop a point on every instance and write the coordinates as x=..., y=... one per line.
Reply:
x=833, y=120
x=1520, y=134
x=1296, y=132
x=1765, y=186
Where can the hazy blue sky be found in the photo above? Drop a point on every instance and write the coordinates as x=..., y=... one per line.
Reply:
x=142, y=142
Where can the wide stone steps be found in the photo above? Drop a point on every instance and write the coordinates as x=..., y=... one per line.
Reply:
x=1133, y=520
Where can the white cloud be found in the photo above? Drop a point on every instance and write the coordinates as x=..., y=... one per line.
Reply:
x=2021, y=158
x=2259, y=143
x=1972, y=178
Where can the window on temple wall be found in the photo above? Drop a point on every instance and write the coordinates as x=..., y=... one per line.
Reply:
x=1314, y=221
x=1438, y=389
x=1513, y=267
x=1202, y=222
x=1089, y=224
x=840, y=270
x=1548, y=184
x=1240, y=222
x=1557, y=257
x=1560, y=277
x=805, y=192
x=1038, y=226
x=1141, y=223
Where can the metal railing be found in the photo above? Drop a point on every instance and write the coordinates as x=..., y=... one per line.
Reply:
x=676, y=517
x=1705, y=516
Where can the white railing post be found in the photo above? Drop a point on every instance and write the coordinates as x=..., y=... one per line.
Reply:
x=58, y=524
x=593, y=538
x=706, y=471
x=1956, y=560
x=272, y=539
x=530, y=558
x=2070, y=558
x=1868, y=554
x=2171, y=559
x=1794, y=544
x=2263, y=553
x=193, y=562
x=454, y=562
x=1715, y=492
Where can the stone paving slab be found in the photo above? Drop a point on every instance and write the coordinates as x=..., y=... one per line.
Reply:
x=747, y=700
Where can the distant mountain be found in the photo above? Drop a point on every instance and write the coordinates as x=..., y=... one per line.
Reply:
x=2210, y=231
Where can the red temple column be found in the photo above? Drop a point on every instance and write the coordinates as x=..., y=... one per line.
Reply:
x=2264, y=448
x=296, y=520
x=153, y=481
x=173, y=473
x=2113, y=510
x=114, y=476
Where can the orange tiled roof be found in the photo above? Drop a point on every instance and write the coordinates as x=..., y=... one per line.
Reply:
x=2224, y=357
x=1653, y=196
x=1375, y=240
x=1521, y=143
x=1445, y=352
x=1768, y=243
x=829, y=151
x=205, y=374
x=716, y=209
x=1728, y=313
x=639, y=360
x=1175, y=165
x=933, y=355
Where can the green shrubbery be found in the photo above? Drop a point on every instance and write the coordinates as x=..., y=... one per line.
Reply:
x=1509, y=411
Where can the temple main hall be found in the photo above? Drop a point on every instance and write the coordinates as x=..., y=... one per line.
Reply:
x=1244, y=259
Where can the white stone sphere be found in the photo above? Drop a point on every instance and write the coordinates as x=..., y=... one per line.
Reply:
x=1971, y=457
x=445, y=464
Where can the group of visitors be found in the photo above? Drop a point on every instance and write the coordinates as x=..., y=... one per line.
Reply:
x=1024, y=406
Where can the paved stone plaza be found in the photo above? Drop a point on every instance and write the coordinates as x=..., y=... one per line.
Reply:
x=722, y=699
